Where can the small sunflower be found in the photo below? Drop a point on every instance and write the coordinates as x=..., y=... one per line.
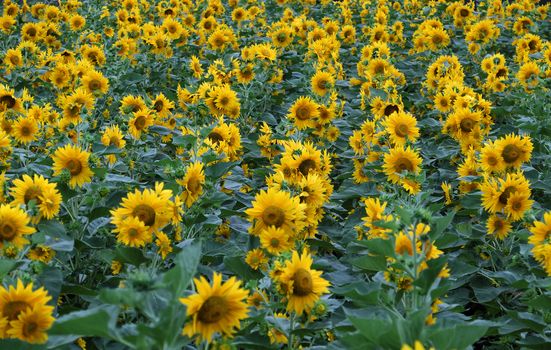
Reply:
x=31, y=325
x=193, y=183
x=140, y=122
x=514, y=149
x=400, y=159
x=275, y=240
x=498, y=226
x=401, y=127
x=14, y=225
x=541, y=241
x=302, y=285
x=75, y=160
x=216, y=308
x=133, y=232
x=303, y=112
x=322, y=82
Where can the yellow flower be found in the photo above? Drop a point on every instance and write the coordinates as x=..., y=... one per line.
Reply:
x=278, y=209
x=541, y=240
x=193, y=183
x=133, y=232
x=41, y=253
x=400, y=159
x=401, y=127
x=303, y=112
x=94, y=82
x=216, y=308
x=275, y=240
x=31, y=325
x=256, y=259
x=164, y=244
x=141, y=121
x=14, y=226
x=75, y=160
x=321, y=82
x=302, y=285
x=498, y=226
x=514, y=149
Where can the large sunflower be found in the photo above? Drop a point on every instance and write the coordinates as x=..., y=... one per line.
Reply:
x=15, y=300
x=14, y=224
x=75, y=161
x=302, y=285
x=400, y=159
x=150, y=207
x=193, y=183
x=514, y=149
x=278, y=209
x=495, y=194
x=216, y=308
x=31, y=325
x=401, y=127
x=303, y=112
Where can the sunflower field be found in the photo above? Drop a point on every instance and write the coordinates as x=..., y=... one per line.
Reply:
x=275, y=174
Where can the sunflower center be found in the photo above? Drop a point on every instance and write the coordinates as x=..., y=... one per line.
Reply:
x=391, y=109
x=274, y=243
x=94, y=85
x=306, y=165
x=74, y=167
x=139, y=123
x=464, y=12
x=302, y=282
x=504, y=196
x=281, y=37
x=12, y=309
x=213, y=310
x=133, y=232
x=403, y=164
x=215, y=137
x=498, y=224
x=322, y=84
x=114, y=140
x=32, y=193
x=467, y=125
x=501, y=72
x=29, y=328
x=8, y=100
x=492, y=161
x=25, y=131
x=273, y=216
x=303, y=113
x=510, y=153
x=517, y=205
x=145, y=214
x=402, y=130
x=158, y=106
x=193, y=185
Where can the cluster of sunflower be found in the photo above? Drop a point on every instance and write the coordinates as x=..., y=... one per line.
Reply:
x=129, y=126
x=25, y=313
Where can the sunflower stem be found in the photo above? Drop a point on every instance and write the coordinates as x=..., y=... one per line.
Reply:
x=291, y=329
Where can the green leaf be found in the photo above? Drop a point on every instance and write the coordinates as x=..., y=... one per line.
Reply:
x=457, y=337
x=237, y=265
x=130, y=255
x=96, y=322
x=370, y=262
x=186, y=261
x=6, y=266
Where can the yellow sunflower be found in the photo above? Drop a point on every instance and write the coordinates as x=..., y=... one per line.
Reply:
x=498, y=226
x=216, y=308
x=275, y=240
x=496, y=193
x=321, y=82
x=38, y=189
x=302, y=285
x=41, y=253
x=193, y=183
x=151, y=207
x=31, y=325
x=133, y=232
x=491, y=160
x=400, y=159
x=94, y=82
x=16, y=300
x=162, y=105
x=517, y=204
x=75, y=160
x=514, y=149
x=275, y=208
x=528, y=75
x=256, y=259
x=140, y=122
x=14, y=225
x=303, y=112
x=401, y=127
x=541, y=240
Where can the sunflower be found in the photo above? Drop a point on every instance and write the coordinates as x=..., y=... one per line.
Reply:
x=400, y=159
x=541, y=241
x=151, y=207
x=528, y=74
x=514, y=149
x=41, y=253
x=15, y=301
x=162, y=105
x=256, y=259
x=322, y=82
x=403, y=244
x=275, y=208
x=163, y=243
x=133, y=232
x=35, y=188
x=77, y=22
x=25, y=130
x=74, y=160
x=31, y=325
x=302, y=285
x=275, y=240
x=132, y=104
x=401, y=127
x=498, y=226
x=14, y=224
x=112, y=136
x=495, y=194
x=8, y=100
x=139, y=123
x=49, y=202
x=95, y=83
x=13, y=58
x=303, y=112
x=517, y=204
x=282, y=37
x=216, y=308
x=195, y=66
x=315, y=190
x=491, y=160
x=193, y=183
